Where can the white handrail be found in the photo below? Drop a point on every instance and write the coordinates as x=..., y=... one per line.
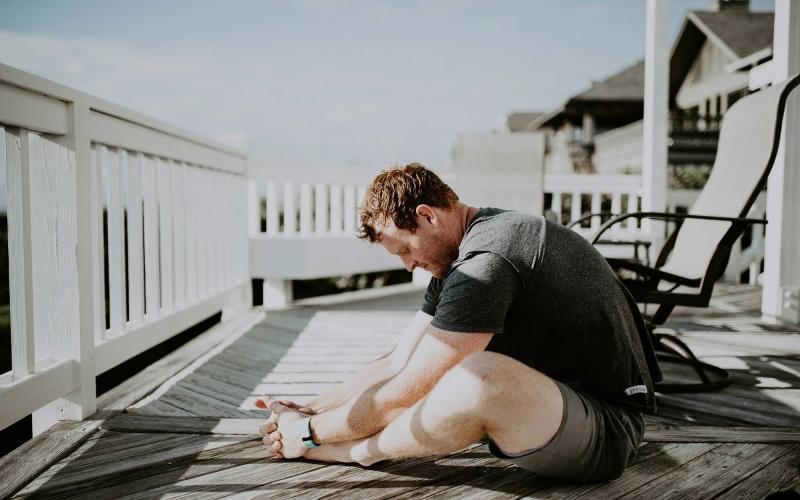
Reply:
x=175, y=207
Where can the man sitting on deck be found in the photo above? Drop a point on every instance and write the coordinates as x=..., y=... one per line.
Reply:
x=525, y=336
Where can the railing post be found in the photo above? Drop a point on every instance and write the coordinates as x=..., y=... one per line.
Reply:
x=656, y=97
x=81, y=403
x=781, y=295
x=277, y=293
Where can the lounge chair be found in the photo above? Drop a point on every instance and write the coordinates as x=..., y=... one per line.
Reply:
x=696, y=254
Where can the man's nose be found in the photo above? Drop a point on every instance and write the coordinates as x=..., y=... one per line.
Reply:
x=409, y=263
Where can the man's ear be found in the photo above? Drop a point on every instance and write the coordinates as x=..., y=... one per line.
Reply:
x=427, y=212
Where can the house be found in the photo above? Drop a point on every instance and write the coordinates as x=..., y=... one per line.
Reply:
x=572, y=127
x=717, y=57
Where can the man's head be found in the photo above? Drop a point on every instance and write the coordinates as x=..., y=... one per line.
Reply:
x=410, y=211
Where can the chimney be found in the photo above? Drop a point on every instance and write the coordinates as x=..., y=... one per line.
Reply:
x=728, y=5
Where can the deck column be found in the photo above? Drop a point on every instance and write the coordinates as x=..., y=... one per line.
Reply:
x=656, y=104
x=781, y=295
x=76, y=338
x=277, y=293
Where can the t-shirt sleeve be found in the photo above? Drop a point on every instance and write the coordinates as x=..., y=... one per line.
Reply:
x=431, y=299
x=477, y=295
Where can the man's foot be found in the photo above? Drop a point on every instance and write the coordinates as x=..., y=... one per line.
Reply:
x=333, y=452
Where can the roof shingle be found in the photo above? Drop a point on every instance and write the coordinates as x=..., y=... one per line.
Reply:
x=744, y=32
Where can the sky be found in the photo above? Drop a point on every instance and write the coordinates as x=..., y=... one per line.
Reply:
x=368, y=83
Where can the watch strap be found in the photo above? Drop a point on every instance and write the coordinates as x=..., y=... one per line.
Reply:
x=308, y=439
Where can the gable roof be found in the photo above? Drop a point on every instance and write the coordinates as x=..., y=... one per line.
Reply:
x=738, y=33
x=741, y=31
x=625, y=86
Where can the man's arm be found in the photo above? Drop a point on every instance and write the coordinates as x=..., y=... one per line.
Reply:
x=377, y=372
x=379, y=403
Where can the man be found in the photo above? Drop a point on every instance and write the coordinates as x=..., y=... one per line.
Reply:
x=525, y=336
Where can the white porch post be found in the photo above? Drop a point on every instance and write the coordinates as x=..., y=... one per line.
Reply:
x=656, y=108
x=781, y=295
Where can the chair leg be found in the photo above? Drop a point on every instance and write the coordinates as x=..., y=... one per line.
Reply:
x=670, y=349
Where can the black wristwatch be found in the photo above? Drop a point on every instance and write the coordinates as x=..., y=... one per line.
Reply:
x=307, y=438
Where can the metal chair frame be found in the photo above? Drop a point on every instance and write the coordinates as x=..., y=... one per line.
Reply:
x=645, y=289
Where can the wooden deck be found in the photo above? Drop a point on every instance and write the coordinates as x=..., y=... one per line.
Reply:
x=193, y=435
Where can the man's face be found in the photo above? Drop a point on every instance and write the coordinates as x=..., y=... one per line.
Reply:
x=427, y=247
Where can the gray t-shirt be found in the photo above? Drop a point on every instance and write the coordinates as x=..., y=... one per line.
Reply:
x=553, y=303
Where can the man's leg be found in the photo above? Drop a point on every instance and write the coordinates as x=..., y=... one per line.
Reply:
x=487, y=393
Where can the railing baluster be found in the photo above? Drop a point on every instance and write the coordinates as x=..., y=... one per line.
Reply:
x=192, y=228
x=165, y=233
x=179, y=221
x=211, y=237
x=218, y=179
x=321, y=209
x=596, y=195
x=616, y=203
x=289, y=210
x=349, y=209
x=151, y=264
x=99, y=250
x=555, y=205
x=114, y=162
x=305, y=209
x=633, y=198
x=200, y=236
x=19, y=257
x=272, y=209
x=336, y=209
x=577, y=210
x=135, y=241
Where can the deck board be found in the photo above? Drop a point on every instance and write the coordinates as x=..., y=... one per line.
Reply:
x=194, y=436
x=712, y=473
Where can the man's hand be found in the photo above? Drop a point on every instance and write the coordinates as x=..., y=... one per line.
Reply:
x=284, y=429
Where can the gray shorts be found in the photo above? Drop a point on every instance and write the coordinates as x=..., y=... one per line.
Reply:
x=595, y=442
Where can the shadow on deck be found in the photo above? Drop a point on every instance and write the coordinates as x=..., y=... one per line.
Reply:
x=194, y=435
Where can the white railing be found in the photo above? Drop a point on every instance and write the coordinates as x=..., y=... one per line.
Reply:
x=573, y=195
x=123, y=232
x=303, y=222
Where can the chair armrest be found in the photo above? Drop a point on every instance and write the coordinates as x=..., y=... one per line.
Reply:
x=652, y=272
x=673, y=216
x=589, y=216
